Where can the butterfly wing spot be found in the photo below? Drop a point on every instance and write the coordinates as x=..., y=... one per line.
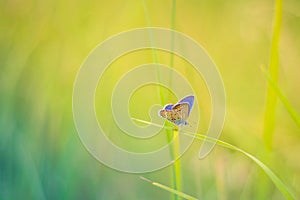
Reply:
x=190, y=100
x=167, y=114
x=182, y=110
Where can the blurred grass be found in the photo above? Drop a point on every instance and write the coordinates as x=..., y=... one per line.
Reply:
x=176, y=147
x=42, y=45
x=177, y=164
x=171, y=135
x=279, y=184
x=293, y=113
x=271, y=102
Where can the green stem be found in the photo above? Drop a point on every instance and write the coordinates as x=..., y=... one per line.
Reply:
x=271, y=101
x=154, y=53
x=172, y=40
x=283, y=98
x=177, y=163
x=176, y=167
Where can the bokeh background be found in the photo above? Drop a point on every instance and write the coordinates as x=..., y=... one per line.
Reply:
x=43, y=44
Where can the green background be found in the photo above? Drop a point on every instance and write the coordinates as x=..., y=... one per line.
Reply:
x=43, y=44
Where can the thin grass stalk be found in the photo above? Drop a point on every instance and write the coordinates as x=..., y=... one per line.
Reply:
x=177, y=164
x=271, y=101
x=288, y=106
x=176, y=167
x=273, y=177
x=154, y=52
x=169, y=133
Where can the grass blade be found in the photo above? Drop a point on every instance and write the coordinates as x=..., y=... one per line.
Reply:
x=176, y=171
x=177, y=163
x=164, y=187
x=176, y=168
x=278, y=183
x=154, y=51
x=274, y=178
x=271, y=102
x=282, y=98
x=172, y=39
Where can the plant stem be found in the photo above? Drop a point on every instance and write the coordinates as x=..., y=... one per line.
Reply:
x=177, y=163
x=271, y=102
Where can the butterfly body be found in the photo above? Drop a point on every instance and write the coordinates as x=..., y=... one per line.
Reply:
x=179, y=112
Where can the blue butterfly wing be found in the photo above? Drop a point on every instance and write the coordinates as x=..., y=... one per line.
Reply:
x=168, y=107
x=189, y=100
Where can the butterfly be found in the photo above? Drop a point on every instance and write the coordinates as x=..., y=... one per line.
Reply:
x=179, y=112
